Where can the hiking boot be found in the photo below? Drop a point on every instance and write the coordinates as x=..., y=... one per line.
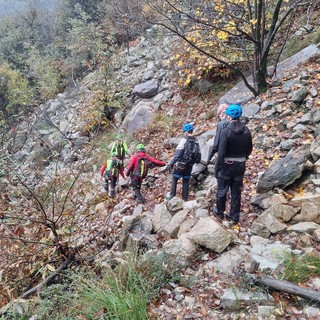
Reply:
x=140, y=200
x=219, y=216
x=233, y=222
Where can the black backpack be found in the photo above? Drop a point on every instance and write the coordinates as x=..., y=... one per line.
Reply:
x=142, y=167
x=191, y=152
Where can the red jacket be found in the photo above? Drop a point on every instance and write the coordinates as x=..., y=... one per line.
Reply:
x=110, y=162
x=135, y=159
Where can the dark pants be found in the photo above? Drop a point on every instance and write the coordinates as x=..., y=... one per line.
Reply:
x=230, y=176
x=113, y=182
x=136, y=185
x=185, y=174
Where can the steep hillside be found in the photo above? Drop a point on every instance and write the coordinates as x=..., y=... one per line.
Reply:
x=53, y=202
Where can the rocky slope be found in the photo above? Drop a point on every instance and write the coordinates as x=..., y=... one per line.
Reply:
x=284, y=217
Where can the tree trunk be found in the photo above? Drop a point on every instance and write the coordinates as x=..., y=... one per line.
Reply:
x=261, y=80
x=286, y=286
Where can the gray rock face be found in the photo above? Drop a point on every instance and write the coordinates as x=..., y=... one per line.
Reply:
x=233, y=298
x=161, y=217
x=146, y=89
x=180, y=249
x=139, y=116
x=267, y=253
x=309, y=207
x=241, y=94
x=210, y=234
x=250, y=110
x=298, y=96
x=285, y=171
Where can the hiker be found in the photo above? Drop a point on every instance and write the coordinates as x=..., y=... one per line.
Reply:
x=221, y=113
x=186, y=155
x=235, y=146
x=110, y=171
x=138, y=168
x=120, y=148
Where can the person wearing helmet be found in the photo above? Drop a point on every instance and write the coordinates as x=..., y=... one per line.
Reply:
x=120, y=148
x=221, y=113
x=110, y=171
x=138, y=168
x=186, y=155
x=234, y=148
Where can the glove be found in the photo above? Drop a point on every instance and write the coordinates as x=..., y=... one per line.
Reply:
x=169, y=167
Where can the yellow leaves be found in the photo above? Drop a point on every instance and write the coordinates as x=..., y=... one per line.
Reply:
x=180, y=63
x=253, y=21
x=222, y=35
x=299, y=192
x=187, y=82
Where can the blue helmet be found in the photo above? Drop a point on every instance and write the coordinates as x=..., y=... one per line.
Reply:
x=234, y=111
x=188, y=127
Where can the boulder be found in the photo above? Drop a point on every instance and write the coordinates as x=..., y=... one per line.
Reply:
x=281, y=173
x=180, y=250
x=210, y=234
x=161, y=217
x=146, y=89
x=139, y=117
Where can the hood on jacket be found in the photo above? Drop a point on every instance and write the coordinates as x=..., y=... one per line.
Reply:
x=236, y=126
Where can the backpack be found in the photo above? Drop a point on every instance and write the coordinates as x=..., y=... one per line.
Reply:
x=112, y=169
x=191, y=152
x=119, y=149
x=142, y=167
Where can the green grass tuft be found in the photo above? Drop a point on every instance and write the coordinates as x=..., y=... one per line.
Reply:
x=299, y=269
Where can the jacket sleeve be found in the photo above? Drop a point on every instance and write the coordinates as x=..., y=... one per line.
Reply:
x=130, y=167
x=250, y=147
x=156, y=162
x=179, y=151
x=103, y=168
x=222, y=148
x=214, y=148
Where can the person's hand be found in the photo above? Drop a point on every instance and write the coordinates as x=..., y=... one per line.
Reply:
x=169, y=167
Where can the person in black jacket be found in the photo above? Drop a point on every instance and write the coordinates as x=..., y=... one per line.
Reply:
x=235, y=146
x=187, y=154
x=221, y=113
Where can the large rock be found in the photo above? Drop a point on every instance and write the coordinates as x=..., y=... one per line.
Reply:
x=270, y=221
x=303, y=227
x=181, y=250
x=310, y=208
x=266, y=200
x=209, y=234
x=234, y=298
x=161, y=217
x=139, y=116
x=146, y=89
x=229, y=261
x=285, y=171
x=267, y=253
x=173, y=226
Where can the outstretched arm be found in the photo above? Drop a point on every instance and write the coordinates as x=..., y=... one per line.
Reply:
x=103, y=168
x=156, y=162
